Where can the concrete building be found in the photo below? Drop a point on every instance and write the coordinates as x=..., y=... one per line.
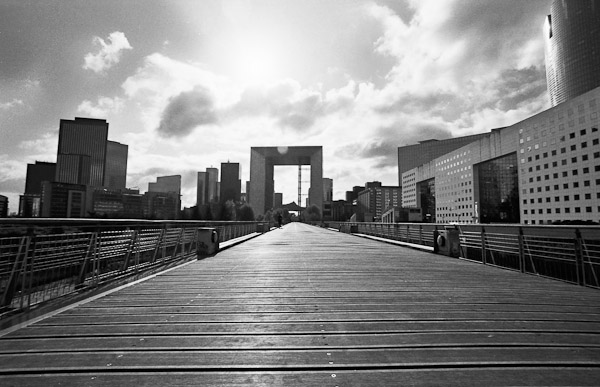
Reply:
x=541, y=170
x=201, y=189
x=115, y=172
x=163, y=199
x=375, y=199
x=262, y=162
x=277, y=200
x=81, y=155
x=31, y=200
x=572, y=35
x=3, y=206
x=63, y=200
x=231, y=184
x=166, y=184
x=411, y=156
x=327, y=190
x=212, y=185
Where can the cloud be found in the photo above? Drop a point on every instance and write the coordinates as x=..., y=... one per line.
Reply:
x=187, y=111
x=109, y=53
x=11, y=104
x=102, y=108
x=43, y=147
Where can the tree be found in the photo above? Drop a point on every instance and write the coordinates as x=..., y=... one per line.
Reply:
x=245, y=213
x=312, y=214
x=228, y=211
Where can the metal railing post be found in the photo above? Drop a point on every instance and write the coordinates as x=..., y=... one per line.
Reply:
x=521, y=251
x=483, y=249
x=579, y=267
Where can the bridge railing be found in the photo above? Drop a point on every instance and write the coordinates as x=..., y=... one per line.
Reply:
x=567, y=253
x=42, y=259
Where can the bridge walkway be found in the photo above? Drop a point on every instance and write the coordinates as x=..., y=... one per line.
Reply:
x=303, y=306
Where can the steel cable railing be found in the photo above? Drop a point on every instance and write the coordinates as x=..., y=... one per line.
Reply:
x=42, y=259
x=567, y=253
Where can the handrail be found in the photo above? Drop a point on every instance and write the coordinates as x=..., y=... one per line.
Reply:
x=42, y=259
x=566, y=252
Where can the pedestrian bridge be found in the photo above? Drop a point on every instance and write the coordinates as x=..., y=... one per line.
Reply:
x=304, y=305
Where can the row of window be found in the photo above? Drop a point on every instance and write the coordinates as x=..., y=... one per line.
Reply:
x=566, y=210
x=566, y=198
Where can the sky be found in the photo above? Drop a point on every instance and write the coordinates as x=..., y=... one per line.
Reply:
x=191, y=84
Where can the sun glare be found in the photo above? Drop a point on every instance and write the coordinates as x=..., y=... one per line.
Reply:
x=256, y=61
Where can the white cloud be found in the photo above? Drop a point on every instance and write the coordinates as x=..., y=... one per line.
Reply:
x=42, y=148
x=11, y=104
x=102, y=108
x=109, y=53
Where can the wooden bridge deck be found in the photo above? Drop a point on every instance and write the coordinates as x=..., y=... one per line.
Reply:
x=306, y=306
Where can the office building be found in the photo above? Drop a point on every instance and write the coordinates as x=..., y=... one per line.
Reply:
x=231, y=184
x=63, y=200
x=30, y=201
x=327, y=189
x=163, y=199
x=115, y=172
x=542, y=170
x=3, y=206
x=166, y=184
x=73, y=169
x=212, y=188
x=277, y=200
x=572, y=36
x=375, y=199
x=411, y=156
x=81, y=155
x=201, y=189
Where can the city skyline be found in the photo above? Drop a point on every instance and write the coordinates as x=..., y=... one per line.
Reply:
x=360, y=78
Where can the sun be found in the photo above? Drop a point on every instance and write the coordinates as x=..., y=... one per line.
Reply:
x=257, y=60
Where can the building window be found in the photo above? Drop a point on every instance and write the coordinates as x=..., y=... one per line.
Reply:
x=584, y=144
x=588, y=209
x=557, y=210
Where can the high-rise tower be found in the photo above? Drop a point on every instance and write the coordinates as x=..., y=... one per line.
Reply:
x=115, y=172
x=82, y=151
x=572, y=34
x=231, y=185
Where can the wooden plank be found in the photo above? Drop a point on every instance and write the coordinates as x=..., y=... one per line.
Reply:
x=304, y=359
x=294, y=341
x=348, y=327
x=466, y=377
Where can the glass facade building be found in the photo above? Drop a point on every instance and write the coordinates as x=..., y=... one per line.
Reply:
x=82, y=137
x=498, y=188
x=572, y=34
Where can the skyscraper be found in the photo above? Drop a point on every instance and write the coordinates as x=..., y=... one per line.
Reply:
x=212, y=177
x=201, y=189
x=30, y=201
x=327, y=189
x=77, y=140
x=115, y=172
x=572, y=34
x=231, y=184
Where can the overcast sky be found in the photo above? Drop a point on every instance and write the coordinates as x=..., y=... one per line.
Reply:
x=190, y=84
